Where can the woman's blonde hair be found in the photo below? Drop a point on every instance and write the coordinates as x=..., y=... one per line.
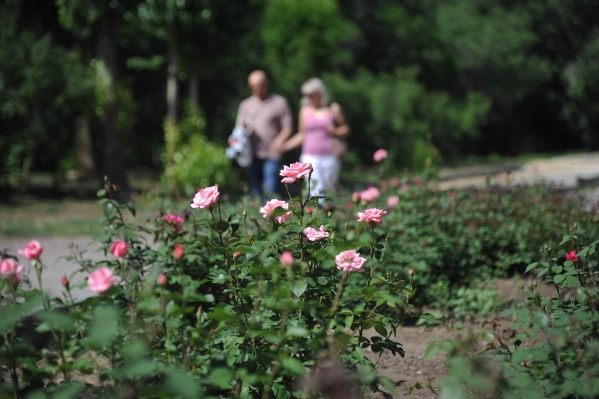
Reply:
x=315, y=85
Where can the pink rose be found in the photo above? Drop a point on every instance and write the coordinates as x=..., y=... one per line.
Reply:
x=572, y=256
x=379, y=155
x=371, y=215
x=119, y=248
x=410, y=272
x=270, y=206
x=161, y=280
x=101, y=280
x=404, y=187
x=205, y=197
x=65, y=282
x=178, y=252
x=287, y=259
x=392, y=201
x=314, y=235
x=8, y=268
x=31, y=251
x=297, y=170
x=16, y=277
x=370, y=194
x=175, y=220
x=453, y=195
x=350, y=261
x=394, y=182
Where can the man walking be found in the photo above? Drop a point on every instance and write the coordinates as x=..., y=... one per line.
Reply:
x=266, y=119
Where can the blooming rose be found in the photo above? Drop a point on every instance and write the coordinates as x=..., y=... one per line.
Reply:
x=8, y=267
x=314, y=235
x=205, y=197
x=379, y=155
x=178, y=252
x=287, y=259
x=101, y=280
x=392, y=201
x=350, y=261
x=370, y=194
x=161, y=279
x=572, y=256
x=119, y=248
x=31, y=251
x=371, y=215
x=297, y=170
x=270, y=206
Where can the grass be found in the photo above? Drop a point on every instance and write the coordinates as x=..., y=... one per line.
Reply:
x=49, y=218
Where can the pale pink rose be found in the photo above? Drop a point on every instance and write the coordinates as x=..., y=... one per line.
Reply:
x=379, y=155
x=119, y=248
x=394, y=182
x=205, y=197
x=31, y=251
x=410, y=272
x=297, y=170
x=271, y=205
x=7, y=267
x=287, y=259
x=314, y=235
x=370, y=194
x=101, y=280
x=371, y=215
x=404, y=187
x=178, y=252
x=350, y=261
x=161, y=280
x=392, y=201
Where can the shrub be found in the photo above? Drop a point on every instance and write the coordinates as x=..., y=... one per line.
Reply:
x=545, y=347
x=238, y=312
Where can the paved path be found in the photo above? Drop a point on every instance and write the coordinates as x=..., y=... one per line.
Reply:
x=55, y=266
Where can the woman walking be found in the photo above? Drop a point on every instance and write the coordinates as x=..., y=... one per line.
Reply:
x=319, y=126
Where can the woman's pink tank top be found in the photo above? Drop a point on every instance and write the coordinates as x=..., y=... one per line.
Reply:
x=317, y=141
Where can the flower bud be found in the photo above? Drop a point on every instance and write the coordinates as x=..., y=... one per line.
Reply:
x=355, y=197
x=309, y=210
x=65, y=282
x=161, y=280
x=287, y=259
x=410, y=272
x=178, y=252
x=237, y=254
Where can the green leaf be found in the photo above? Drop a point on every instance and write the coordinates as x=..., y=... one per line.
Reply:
x=431, y=351
x=531, y=266
x=559, y=278
x=293, y=365
x=379, y=328
x=299, y=287
x=349, y=321
x=221, y=377
x=180, y=383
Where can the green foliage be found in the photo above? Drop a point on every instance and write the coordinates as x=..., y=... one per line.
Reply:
x=229, y=321
x=190, y=160
x=545, y=347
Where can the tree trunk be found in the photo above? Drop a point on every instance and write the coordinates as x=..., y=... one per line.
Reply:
x=194, y=87
x=172, y=81
x=84, y=160
x=113, y=165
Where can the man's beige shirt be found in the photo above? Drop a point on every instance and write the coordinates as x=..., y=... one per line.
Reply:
x=265, y=119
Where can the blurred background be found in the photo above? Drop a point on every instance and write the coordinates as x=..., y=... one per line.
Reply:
x=146, y=92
